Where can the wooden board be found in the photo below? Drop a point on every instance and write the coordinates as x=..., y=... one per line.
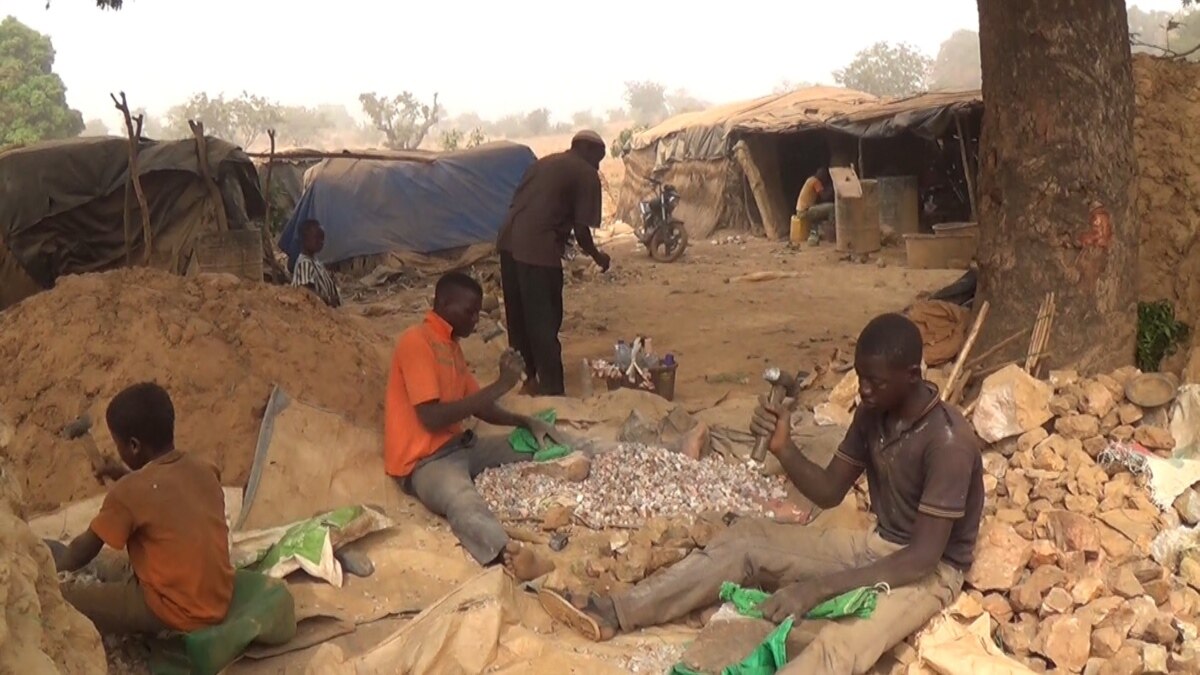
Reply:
x=845, y=182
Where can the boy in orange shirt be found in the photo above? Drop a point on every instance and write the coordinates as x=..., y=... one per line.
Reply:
x=169, y=513
x=430, y=393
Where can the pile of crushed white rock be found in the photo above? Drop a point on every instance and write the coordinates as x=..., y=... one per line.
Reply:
x=628, y=485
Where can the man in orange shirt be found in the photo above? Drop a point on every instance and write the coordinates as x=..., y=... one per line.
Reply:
x=169, y=513
x=816, y=199
x=430, y=393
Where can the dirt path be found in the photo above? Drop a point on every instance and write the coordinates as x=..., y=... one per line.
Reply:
x=722, y=334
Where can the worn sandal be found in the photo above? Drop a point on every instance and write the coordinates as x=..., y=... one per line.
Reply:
x=580, y=620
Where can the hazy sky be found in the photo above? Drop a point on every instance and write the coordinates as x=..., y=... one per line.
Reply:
x=485, y=56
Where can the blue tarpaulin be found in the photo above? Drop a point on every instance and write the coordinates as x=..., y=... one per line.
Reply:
x=443, y=201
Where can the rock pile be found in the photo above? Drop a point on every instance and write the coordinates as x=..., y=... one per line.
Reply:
x=630, y=484
x=1063, y=564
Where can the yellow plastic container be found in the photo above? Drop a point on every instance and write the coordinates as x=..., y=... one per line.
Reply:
x=800, y=230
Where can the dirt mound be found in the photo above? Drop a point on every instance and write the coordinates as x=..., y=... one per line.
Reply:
x=1167, y=142
x=39, y=631
x=217, y=345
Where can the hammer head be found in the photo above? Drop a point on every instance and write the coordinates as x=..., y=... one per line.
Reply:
x=778, y=378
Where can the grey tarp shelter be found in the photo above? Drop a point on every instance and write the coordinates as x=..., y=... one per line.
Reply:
x=62, y=206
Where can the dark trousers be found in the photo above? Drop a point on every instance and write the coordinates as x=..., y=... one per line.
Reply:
x=445, y=483
x=533, y=310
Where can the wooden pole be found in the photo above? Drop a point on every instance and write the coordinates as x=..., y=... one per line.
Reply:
x=267, y=236
x=128, y=217
x=967, y=171
x=267, y=187
x=134, y=138
x=774, y=223
x=214, y=193
x=952, y=379
x=418, y=156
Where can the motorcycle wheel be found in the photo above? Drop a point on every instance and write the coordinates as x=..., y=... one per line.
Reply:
x=669, y=242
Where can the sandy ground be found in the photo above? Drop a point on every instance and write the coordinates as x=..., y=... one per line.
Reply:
x=722, y=334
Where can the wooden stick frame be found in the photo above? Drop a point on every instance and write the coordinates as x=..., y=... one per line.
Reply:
x=134, y=135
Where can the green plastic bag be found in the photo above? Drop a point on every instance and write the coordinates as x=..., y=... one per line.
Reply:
x=522, y=440
x=859, y=602
x=262, y=611
x=306, y=539
x=766, y=658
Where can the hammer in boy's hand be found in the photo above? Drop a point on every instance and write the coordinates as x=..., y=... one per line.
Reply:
x=782, y=385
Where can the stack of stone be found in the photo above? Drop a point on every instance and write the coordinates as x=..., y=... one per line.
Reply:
x=1064, y=565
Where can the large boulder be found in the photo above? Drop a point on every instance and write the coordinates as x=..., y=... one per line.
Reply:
x=39, y=631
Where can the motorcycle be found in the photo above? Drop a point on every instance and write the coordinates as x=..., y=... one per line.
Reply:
x=664, y=236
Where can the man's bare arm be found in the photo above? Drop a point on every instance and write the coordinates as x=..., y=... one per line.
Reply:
x=825, y=487
x=81, y=551
x=438, y=415
x=583, y=237
x=909, y=565
x=498, y=415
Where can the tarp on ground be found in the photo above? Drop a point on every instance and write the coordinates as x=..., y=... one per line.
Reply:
x=373, y=206
x=62, y=206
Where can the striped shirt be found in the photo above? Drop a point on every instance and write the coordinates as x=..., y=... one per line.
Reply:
x=310, y=272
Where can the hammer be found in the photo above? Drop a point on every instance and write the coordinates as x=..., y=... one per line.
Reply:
x=782, y=384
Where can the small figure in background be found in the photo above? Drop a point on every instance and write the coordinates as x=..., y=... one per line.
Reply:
x=815, y=203
x=309, y=272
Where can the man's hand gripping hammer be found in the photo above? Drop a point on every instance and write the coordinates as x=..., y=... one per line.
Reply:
x=782, y=386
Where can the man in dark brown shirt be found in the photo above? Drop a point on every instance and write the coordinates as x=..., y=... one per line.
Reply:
x=925, y=475
x=558, y=195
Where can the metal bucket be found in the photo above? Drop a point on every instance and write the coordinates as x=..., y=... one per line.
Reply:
x=858, y=221
x=899, y=204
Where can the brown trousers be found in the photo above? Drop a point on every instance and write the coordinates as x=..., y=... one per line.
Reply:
x=769, y=555
x=115, y=604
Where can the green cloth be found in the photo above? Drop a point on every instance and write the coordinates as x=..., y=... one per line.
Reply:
x=771, y=655
x=261, y=611
x=766, y=658
x=859, y=602
x=523, y=440
x=745, y=600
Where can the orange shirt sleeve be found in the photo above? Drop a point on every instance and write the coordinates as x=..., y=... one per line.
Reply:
x=114, y=524
x=417, y=364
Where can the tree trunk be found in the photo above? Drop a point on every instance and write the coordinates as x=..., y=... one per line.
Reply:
x=1057, y=171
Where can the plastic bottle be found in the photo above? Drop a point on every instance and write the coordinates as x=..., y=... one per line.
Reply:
x=624, y=355
x=668, y=360
x=651, y=361
x=585, y=380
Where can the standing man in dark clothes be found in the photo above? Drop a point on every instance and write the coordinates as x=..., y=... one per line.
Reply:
x=925, y=476
x=558, y=195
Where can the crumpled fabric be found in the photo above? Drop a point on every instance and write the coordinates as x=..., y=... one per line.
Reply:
x=522, y=440
x=859, y=602
x=767, y=658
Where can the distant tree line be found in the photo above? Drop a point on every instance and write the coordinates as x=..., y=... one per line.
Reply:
x=33, y=103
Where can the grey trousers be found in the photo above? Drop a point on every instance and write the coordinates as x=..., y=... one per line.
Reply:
x=819, y=213
x=445, y=483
